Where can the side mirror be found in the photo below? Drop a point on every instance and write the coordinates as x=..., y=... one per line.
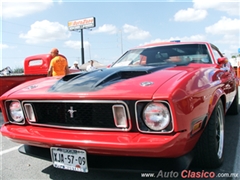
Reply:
x=222, y=60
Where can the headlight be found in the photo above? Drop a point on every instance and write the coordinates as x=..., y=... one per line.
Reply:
x=15, y=111
x=156, y=116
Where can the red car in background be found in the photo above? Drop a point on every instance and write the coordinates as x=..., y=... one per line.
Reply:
x=156, y=102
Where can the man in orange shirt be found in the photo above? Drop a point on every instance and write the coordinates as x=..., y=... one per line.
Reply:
x=58, y=65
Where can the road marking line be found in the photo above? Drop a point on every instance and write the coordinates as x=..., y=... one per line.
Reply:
x=9, y=150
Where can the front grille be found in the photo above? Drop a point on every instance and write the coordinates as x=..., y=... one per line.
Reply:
x=84, y=114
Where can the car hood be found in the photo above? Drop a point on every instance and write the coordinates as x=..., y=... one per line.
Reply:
x=127, y=82
x=102, y=78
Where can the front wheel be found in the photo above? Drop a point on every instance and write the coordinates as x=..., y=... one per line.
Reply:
x=209, y=149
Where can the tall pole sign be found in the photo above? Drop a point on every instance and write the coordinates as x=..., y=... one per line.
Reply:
x=79, y=25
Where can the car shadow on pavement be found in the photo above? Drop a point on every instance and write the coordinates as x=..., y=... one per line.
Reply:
x=231, y=162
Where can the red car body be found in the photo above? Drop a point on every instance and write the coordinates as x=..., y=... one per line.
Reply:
x=80, y=111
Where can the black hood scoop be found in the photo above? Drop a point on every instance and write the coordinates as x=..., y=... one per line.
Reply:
x=98, y=79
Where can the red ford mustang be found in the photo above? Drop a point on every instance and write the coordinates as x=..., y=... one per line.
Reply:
x=158, y=101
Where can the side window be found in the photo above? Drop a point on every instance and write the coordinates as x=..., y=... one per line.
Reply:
x=35, y=62
x=216, y=54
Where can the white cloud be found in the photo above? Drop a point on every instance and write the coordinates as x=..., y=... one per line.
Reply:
x=192, y=38
x=227, y=32
x=200, y=4
x=45, y=31
x=224, y=26
x=182, y=39
x=229, y=39
x=12, y=9
x=106, y=28
x=232, y=7
x=232, y=50
x=60, y=2
x=199, y=10
x=135, y=33
x=76, y=44
x=4, y=46
x=190, y=15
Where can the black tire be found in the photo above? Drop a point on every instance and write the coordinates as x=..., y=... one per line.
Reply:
x=209, y=149
x=234, y=110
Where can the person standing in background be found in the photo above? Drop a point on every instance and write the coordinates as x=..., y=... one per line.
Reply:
x=58, y=65
x=90, y=67
x=75, y=65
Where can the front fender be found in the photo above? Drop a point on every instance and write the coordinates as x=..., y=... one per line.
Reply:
x=218, y=94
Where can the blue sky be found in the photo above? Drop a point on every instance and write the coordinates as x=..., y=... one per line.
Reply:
x=35, y=27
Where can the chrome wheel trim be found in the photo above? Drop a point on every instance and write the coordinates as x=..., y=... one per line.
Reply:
x=219, y=132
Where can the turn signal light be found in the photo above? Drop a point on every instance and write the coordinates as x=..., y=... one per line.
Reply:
x=30, y=113
x=120, y=117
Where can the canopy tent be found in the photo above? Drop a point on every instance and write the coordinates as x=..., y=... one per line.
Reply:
x=95, y=64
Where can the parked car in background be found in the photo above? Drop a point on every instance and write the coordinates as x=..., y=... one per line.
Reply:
x=6, y=71
x=158, y=101
x=35, y=67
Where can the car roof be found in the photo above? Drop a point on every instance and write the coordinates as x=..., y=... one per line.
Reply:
x=167, y=43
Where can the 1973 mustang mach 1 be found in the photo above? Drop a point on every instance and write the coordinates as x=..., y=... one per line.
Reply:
x=156, y=102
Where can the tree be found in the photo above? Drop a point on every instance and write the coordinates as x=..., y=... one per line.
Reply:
x=18, y=70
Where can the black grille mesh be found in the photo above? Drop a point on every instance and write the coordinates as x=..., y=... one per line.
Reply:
x=91, y=115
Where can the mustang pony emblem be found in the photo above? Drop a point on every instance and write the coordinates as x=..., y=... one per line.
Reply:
x=71, y=111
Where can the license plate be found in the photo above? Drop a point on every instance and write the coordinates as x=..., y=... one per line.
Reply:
x=69, y=159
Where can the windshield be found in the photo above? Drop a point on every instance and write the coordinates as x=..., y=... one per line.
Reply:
x=177, y=54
